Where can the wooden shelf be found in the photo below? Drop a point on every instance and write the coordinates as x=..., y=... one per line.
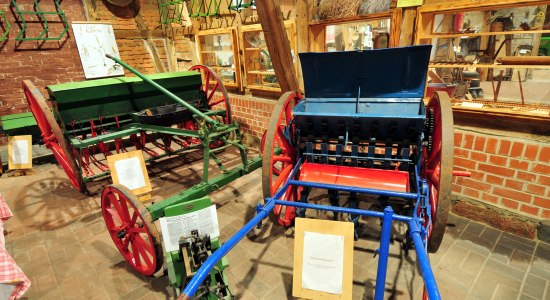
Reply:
x=487, y=66
x=221, y=68
x=264, y=88
x=455, y=35
x=261, y=72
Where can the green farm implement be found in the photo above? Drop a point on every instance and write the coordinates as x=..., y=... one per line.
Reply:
x=91, y=120
x=94, y=119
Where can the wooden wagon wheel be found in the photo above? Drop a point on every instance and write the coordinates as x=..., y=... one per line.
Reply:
x=280, y=157
x=52, y=135
x=437, y=165
x=132, y=229
x=212, y=84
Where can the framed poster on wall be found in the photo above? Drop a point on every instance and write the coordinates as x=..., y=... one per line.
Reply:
x=94, y=40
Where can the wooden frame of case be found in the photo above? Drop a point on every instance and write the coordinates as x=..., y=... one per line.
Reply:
x=317, y=29
x=234, y=47
x=425, y=35
x=251, y=69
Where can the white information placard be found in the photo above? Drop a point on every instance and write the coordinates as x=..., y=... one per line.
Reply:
x=94, y=40
x=129, y=173
x=323, y=262
x=20, y=152
x=204, y=220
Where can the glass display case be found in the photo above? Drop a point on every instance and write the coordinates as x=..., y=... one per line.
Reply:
x=494, y=55
x=217, y=49
x=258, y=67
x=358, y=35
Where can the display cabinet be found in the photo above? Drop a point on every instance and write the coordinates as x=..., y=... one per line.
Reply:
x=378, y=30
x=258, y=68
x=218, y=49
x=490, y=52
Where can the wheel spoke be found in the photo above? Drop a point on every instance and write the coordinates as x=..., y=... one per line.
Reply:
x=284, y=174
x=135, y=254
x=133, y=220
x=212, y=94
x=141, y=230
x=142, y=250
x=207, y=83
x=114, y=201
x=125, y=243
x=281, y=158
x=124, y=209
x=216, y=102
x=114, y=214
x=144, y=244
x=287, y=148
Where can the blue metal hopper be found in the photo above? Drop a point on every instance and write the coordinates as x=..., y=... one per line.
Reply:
x=370, y=94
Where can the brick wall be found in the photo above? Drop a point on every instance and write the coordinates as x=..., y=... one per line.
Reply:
x=510, y=173
x=143, y=16
x=252, y=113
x=45, y=64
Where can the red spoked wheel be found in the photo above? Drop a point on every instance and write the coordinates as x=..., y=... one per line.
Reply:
x=132, y=229
x=212, y=84
x=280, y=157
x=437, y=164
x=52, y=135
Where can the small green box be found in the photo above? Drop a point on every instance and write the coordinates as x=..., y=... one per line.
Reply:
x=20, y=124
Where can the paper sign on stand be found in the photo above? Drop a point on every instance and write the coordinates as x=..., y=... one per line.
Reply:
x=20, y=152
x=128, y=169
x=204, y=220
x=323, y=259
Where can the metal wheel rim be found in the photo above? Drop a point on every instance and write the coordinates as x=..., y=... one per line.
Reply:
x=218, y=86
x=281, y=112
x=140, y=245
x=53, y=135
x=438, y=168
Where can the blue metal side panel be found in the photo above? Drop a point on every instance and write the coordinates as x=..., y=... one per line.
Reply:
x=398, y=120
x=380, y=73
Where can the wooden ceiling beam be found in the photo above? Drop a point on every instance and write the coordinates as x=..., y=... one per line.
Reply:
x=271, y=18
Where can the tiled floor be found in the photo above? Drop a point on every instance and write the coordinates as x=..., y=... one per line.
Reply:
x=58, y=237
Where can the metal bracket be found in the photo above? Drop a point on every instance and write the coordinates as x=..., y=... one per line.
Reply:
x=171, y=11
x=200, y=8
x=42, y=18
x=6, y=26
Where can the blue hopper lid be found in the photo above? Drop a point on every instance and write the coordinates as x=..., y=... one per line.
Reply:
x=380, y=73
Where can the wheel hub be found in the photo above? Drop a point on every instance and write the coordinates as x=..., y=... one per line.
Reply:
x=121, y=234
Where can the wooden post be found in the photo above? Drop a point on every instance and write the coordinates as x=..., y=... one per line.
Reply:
x=271, y=18
x=407, y=27
x=302, y=32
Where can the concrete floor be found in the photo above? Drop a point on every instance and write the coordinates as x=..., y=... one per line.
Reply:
x=58, y=237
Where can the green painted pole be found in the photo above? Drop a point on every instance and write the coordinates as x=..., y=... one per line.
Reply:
x=166, y=92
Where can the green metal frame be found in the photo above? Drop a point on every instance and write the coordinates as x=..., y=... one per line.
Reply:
x=171, y=11
x=198, y=8
x=7, y=26
x=174, y=265
x=240, y=5
x=43, y=36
